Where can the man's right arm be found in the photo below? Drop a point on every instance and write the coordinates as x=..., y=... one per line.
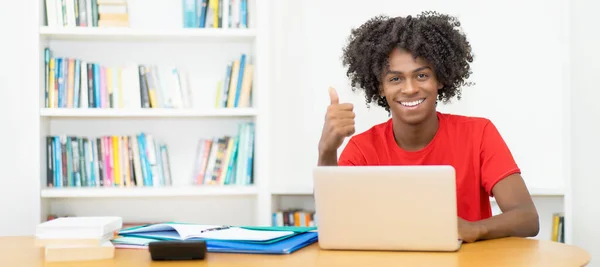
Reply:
x=328, y=158
x=339, y=124
x=351, y=155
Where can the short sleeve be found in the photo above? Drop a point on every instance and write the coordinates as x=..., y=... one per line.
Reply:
x=351, y=155
x=497, y=161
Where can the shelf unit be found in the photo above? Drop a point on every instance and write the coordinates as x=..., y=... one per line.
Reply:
x=205, y=51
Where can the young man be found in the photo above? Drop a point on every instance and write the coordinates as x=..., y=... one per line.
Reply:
x=406, y=65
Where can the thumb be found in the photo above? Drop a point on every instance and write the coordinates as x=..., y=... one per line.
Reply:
x=333, y=96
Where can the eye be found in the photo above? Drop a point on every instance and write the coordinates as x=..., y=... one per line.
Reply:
x=422, y=76
x=394, y=79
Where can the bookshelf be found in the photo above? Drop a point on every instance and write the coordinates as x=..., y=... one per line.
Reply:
x=181, y=103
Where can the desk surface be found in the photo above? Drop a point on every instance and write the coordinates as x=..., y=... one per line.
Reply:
x=20, y=251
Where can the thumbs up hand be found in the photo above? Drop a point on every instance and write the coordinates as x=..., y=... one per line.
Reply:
x=339, y=124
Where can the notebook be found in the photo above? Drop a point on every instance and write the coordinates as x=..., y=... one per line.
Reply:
x=181, y=231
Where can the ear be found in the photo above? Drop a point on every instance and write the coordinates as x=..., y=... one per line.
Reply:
x=440, y=86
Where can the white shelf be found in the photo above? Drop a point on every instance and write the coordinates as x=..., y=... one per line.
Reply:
x=292, y=190
x=110, y=192
x=306, y=190
x=149, y=113
x=542, y=192
x=133, y=34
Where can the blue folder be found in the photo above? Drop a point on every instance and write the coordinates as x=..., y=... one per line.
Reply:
x=285, y=246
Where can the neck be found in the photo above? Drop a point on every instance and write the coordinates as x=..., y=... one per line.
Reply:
x=415, y=137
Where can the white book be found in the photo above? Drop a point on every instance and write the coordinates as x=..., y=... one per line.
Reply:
x=84, y=98
x=71, y=22
x=137, y=167
x=151, y=154
x=78, y=227
x=166, y=86
x=225, y=18
x=74, y=242
x=51, y=15
x=130, y=84
x=60, y=15
x=184, y=90
x=88, y=7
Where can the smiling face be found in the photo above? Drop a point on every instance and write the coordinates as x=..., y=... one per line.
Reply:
x=410, y=88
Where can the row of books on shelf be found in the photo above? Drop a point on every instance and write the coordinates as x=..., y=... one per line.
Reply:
x=294, y=217
x=143, y=160
x=215, y=14
x=558, y=227
x=226, y=160
x=107, y=161
x=86, y=13
x=77, y=83
x=235, y=90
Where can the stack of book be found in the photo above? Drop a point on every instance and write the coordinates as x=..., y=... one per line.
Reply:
x=220, y=238
x=113, y=13
x=78, y=238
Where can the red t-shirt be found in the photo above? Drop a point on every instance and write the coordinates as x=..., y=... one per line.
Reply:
x=473, y=146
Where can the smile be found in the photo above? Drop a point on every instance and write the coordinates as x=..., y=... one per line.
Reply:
x=412, y=103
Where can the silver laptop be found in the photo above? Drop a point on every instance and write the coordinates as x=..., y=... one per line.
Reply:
x=400, y=208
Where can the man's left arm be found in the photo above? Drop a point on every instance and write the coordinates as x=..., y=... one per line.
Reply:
x=519, y=216
x=501, y=178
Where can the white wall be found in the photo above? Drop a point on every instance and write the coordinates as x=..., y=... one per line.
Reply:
x=511, y=66
x=19, y=128
x=523, y=101
x=585, y=127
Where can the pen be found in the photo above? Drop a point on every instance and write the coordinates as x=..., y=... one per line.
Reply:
x=216, y=229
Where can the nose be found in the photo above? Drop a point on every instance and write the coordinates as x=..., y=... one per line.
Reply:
x=410, y=87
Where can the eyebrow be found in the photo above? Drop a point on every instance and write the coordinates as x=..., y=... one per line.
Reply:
x=415, y=70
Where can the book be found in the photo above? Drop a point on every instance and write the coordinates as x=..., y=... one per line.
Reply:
x=78, y=227
x=55, y=253
x=74, y=241
x=183, y=231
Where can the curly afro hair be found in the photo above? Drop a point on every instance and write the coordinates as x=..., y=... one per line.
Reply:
x=432, y=36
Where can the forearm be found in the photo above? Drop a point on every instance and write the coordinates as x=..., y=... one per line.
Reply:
x=519, y=222
x=327, y=158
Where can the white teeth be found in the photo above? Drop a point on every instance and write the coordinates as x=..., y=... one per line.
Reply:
x=412, y=103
